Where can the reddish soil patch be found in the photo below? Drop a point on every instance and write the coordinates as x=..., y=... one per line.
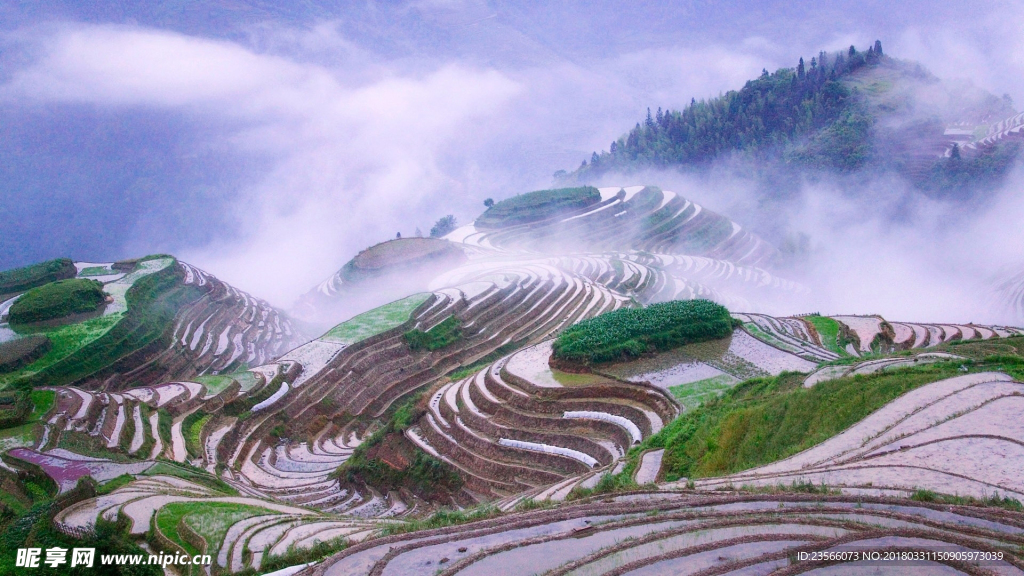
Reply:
x=62, y=470
x=404, y=252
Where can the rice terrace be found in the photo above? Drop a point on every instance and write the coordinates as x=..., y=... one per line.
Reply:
x=582, y=380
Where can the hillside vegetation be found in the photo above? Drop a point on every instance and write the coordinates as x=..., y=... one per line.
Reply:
x=768, y=111
x=57, y=300
x=153, y=302
x=767, y=419
x=29, y=503
x=538, y=205
x=444, y=334
x=829, y=333
x=630, y=332
x=839, y=112
x=26, y=277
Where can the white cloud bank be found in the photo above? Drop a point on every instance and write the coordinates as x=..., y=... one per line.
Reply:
x=349, y=159
x=358, y=146
x=363, y=147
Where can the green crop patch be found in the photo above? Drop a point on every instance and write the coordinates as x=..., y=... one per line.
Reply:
x=57, y=300
x=192, y=428
x=42, y=402
x=828, y=332
x=373, y=322
x=18, y=436
x=444, y=334
x=538, y=205
x=168, y=517
x=97, y=271
x=628, y=333
x=28, y=277
x=215, y=383
x=211, y=520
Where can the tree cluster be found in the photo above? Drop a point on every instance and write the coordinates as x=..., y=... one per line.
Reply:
x=443, y=226
x=768, y=111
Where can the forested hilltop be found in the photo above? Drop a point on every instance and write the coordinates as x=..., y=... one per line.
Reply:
x=840, y=112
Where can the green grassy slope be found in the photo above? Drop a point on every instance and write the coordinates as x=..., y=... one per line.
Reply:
x=95, y=346
x=375, y=321
x=829, y=333
x=767, y=419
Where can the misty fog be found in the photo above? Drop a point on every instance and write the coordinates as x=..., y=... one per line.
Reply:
x=274, y=154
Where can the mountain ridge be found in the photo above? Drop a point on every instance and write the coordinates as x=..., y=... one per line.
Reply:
x=843, y=112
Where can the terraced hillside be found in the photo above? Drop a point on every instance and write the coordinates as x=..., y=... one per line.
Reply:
x=369, y=376
x=228, y=328
x=438, y=432
x=379, y=274
x=688, y=533
x=641, y=241
x=162, y=320
x=516, y=431
x=643, y=218
x=518, y=428
x=857, y=336
x=956, y=436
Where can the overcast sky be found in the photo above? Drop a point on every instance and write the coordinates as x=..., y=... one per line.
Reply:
x=269, y=145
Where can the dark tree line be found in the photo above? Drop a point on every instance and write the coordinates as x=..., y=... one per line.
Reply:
x=767, y=111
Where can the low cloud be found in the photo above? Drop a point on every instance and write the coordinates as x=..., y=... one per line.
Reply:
x=985, y=47
x=363, y=147
x=354, y=145
x=349, y=159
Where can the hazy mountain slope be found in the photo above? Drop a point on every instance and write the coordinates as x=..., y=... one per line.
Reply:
x=839, y=112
